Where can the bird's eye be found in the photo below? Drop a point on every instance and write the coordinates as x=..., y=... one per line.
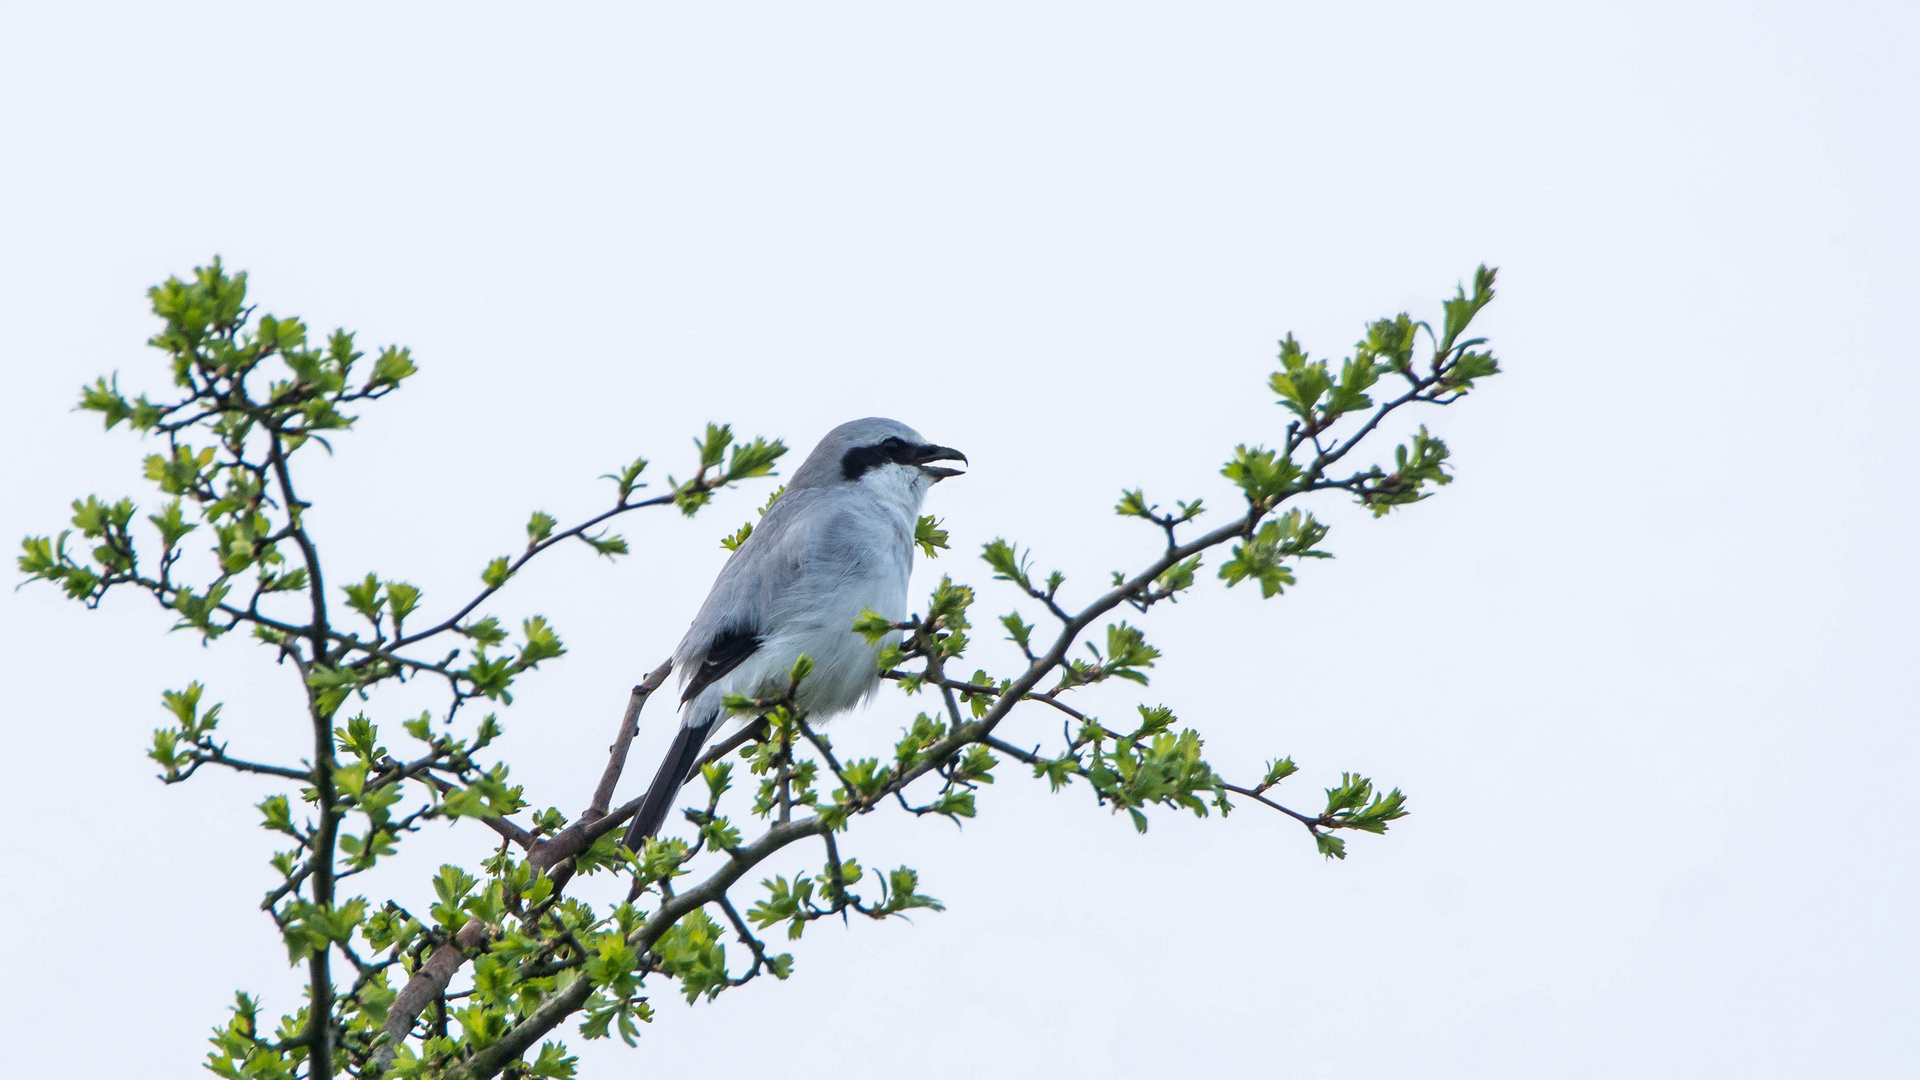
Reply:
x=892, y=445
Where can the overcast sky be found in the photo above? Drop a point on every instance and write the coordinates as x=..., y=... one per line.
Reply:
x=1645, y=670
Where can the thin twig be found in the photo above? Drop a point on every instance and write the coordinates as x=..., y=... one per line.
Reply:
x=497, y=823
x=513, y=568
x=617, y=753
x=1309, y=822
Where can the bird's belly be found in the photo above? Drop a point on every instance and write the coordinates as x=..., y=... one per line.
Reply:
x=844, y=665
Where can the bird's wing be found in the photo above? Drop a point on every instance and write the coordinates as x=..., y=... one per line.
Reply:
x=754, y=585
x=723, y=654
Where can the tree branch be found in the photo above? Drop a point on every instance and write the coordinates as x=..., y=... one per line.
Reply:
x=432, y=977
x=617, y=753
x=514, y=567
x=568, y=1000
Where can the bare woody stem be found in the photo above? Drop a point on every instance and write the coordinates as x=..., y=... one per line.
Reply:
x=513, y=568
x=617, y=753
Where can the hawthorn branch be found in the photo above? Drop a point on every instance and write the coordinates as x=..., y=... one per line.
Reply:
x=498, y=823
x=1310, y=822
x=430, y=981
x=214, y=755
x=570, y=998
x=617, y=753
x=513, y=568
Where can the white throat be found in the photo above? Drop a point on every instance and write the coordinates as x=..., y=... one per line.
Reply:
x=899, y=488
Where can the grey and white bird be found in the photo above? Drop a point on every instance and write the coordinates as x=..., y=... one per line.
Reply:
x=837, y=542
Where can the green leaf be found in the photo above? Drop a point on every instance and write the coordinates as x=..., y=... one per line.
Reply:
x=1019, y=631
x=1179, y=576
x=954, y=805
x=1353, y=791
x=171, y=524
x=1355, y=805
x=361, y=738
x=104, y=397
x=928, y=534
x=947, y=607
x=692, y=952
x=914, y=744
x=1127, y=652
x=183, y=473
x=542, y=643
x=1462, y=308
x=275, y=815
x=1293, y=534
x=497, y=572
x=540, y=527
x=714, y=446
x=1277, y=771
x=554, y=1062
x=364, y=597
x=1416, y=464
x=752, y=459
x=901, y=893
x=628, y=478
x=1264, y=478
x=484, y=631
x=41, y=559
x=608, y=544
x=872, y=626
x=402, y=599
x=452, y=885
x=692, y=495
x=719, y=778
x=1300, y=383
x=1462, y=372
x=1007, y=562
x=1359, y=373
x=393, y=365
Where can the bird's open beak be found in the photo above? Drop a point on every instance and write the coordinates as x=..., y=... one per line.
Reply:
x=923, y=454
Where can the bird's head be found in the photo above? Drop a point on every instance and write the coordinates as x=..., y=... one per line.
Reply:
x=876, y=451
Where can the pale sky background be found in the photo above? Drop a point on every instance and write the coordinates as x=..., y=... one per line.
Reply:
x=1659, y=748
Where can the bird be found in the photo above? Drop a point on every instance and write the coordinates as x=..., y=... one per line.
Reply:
x=836, y=542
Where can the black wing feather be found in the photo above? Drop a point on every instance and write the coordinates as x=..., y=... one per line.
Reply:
x=725, y=654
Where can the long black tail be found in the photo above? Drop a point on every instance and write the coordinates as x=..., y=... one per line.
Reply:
x=666, y=783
